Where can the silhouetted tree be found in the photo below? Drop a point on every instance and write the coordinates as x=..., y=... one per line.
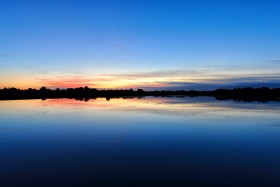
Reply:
x=247, y=94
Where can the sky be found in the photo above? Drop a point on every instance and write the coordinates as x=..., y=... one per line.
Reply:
x=150, y=44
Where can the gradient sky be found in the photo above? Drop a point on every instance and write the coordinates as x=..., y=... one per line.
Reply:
x=139, y=44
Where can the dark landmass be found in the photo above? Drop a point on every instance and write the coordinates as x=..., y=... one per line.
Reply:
x=247, y=94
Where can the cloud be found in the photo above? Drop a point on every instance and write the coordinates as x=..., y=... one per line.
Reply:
x=184, y=86
x=275, y=61
x=67, y=82
x=271, y=82
x=5, y=55
x=251, y=79
x=164, y=73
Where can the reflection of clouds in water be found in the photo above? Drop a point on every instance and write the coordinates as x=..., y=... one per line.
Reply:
x=275, y=125
x=163, y=110
x=197, y=107
x=212, y=102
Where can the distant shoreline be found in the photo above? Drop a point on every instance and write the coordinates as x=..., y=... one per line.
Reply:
x=247, y=94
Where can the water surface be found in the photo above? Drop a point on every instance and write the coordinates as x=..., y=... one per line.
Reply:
x=139, y=142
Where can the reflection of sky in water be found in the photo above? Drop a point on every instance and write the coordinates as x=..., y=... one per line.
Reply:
x=182, y=138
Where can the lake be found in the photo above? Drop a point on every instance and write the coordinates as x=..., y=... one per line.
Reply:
x=139, y=142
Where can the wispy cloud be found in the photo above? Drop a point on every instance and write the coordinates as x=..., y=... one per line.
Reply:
x=247, y=79
x=256, y=81
x=67, y=82
x=163, y=73
x=5, y=55
x=275, y=61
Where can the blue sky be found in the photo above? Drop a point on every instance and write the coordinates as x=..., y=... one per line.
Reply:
x=151, y=44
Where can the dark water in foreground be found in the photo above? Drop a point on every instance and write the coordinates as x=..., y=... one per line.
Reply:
x=139, y=142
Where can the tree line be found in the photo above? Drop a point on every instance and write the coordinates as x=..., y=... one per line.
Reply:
x=262, y=94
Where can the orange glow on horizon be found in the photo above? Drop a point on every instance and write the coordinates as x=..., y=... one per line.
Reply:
x=112, y=83
x=156, y=79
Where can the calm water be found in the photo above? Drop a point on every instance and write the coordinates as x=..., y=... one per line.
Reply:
x=139, y=142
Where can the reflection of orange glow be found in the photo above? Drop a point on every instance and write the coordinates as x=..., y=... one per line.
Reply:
x=162, y=105
x=184, y=107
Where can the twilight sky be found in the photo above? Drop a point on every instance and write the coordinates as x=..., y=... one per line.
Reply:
x=139, y=44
